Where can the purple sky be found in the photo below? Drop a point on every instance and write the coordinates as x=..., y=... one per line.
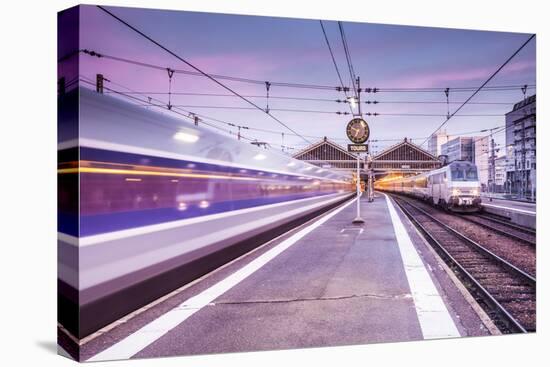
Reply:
x=294, y=50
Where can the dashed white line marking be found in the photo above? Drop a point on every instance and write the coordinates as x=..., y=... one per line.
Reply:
x=132, y=344
x=433, y=316
x=352, y=229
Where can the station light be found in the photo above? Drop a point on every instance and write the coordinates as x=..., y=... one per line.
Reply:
x=353, y=102
x=186, y=137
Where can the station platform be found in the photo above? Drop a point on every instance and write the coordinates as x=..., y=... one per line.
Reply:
x=326, y=283
x=519, y=212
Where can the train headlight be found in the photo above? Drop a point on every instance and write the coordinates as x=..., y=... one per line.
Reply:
x=475, y=192
x=456, y=192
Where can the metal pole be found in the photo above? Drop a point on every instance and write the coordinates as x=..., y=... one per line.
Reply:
x=493, y=164
x=359, y=95
x=358, y=218
x=523, y=184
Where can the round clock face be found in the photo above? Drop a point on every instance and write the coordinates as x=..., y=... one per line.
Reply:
x=358, y=131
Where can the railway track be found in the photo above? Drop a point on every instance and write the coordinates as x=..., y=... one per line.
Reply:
x=504, y=220
x=507, y=293
x=508, y=229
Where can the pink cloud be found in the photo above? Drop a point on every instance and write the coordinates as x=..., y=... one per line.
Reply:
x=234, y=64
x=441, y=78
x=252, y=65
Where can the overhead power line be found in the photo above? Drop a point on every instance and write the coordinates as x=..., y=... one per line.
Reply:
x=436, y=102
x=294, y=84
x=208, y=120
x=296, y=98
x=335, y=64
x=348, y=60
x=217, y=76
x=205, y=120
x=483, y=85
x=199, y=70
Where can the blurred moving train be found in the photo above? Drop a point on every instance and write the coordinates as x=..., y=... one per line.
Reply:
x=454, y=187
x=148, y=202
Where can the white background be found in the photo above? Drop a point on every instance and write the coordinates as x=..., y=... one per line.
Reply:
x=28, y=180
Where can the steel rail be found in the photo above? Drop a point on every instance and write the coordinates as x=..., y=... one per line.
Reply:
x=508, y=223
x=498, y=230
x=474, y=285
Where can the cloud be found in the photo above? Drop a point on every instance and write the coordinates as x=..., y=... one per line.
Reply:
x=444, y=77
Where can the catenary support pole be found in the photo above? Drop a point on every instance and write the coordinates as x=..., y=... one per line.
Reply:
x=358, y=219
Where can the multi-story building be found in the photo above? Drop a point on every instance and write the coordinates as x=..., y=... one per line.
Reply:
x=521, y=147
x=436, y=141
x=460, y=148
x=482, y=153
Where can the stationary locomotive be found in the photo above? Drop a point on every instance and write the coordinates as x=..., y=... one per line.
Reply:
x=455, y=187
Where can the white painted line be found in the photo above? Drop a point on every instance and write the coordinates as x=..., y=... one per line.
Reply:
x=511, y=209
x=132, y=344
x=352, y=229
x=433, y=316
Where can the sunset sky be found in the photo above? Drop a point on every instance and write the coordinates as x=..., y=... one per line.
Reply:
x=294, y=50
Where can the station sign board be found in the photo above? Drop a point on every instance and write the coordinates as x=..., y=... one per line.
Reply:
x=358, y=148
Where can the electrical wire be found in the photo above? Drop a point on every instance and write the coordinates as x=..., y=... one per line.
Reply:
x=335, y=64
x=198, y=70
x=299, y=85
x=190, y=115
x=348, y=60
x=483, y=85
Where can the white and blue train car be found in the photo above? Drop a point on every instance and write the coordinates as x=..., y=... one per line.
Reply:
x=148, y=202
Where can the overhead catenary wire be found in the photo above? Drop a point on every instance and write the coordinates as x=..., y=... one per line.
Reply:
x=297, y=98
x=189, y=114
x=436, y=102
x=333, y=112
x=487, y=88
x=99, y=55
x=335, y=65
x=207, y=120
x=198, y=69
x=217, y=76
x=348, y=60
x=482, y=85
x=160, y=105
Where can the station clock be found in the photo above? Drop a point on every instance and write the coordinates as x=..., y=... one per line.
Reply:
x=358, y=131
